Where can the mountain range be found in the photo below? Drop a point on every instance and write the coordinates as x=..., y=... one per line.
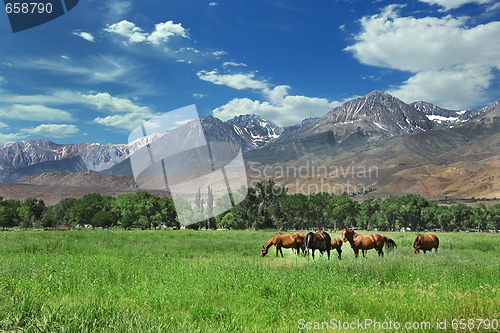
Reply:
x=377, y=127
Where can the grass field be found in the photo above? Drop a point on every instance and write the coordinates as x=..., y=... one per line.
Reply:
x=215, y=281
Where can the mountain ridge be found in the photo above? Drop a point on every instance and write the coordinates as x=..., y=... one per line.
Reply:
x=355, y=123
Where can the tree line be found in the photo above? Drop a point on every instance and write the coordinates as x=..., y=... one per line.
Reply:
x=266, y=206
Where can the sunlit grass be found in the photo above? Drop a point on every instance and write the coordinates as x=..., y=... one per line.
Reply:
x=215, y=281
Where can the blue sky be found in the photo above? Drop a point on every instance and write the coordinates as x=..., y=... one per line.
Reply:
x=97, y=72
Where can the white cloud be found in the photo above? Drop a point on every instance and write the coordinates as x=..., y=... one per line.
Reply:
x=278, y=105
x=127, y=29
x=52, y=130
x=34, y=112
x=85, y=35
x=452, y=4
x=213, y=4
x=439, y=52
x=188, y=49
x=238, y=81
x=10, y=137
x=97, y=69
x=58, y=97
x=128, y=114
x=233, y=64
x=161, y=34
x=199, y=96
x=163, y=31
x=127, y=121
x=3, y=125
x=452, y=88
x=219, y=53
x=104, y=101
x=57, y=131
x=280, y=108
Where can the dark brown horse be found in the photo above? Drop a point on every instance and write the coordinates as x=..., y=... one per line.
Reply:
x=318, y=241
x=280, y=240
x=365, y=243
x=425, y=243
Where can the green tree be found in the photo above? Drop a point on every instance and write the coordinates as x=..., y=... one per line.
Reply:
x=103, y=219
x=8, y=217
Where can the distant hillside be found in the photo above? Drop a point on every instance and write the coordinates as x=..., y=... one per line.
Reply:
x=80, y=179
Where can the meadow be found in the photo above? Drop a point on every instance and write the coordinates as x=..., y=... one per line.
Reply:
x=216, y=281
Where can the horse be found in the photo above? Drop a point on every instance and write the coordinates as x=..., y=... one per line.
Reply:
x=318, y=241
x=425, y=243
x=280, y=240
x=300, y=239
x=365, y=243
x=337, y=245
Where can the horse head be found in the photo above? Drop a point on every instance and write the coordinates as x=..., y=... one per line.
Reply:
x=346, y=234
x=263, y=252
x=416, y=243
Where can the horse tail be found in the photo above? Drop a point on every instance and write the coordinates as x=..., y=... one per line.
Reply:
x=389, y=244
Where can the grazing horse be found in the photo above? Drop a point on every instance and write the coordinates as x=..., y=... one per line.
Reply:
x=425, y=243
x=365, y=243
x=294, y=241
x=318, y=241
x=300, y=239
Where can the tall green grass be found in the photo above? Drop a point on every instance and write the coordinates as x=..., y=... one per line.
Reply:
x=215, y=281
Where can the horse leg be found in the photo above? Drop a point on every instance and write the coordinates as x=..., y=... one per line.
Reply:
x=281, y=251
x=313, y=253
x=356, y=252
x=339, y=251
x=328, y=251
x=364, y=253
x=277, y=249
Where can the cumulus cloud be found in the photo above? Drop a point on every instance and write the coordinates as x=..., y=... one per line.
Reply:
x=237, y=81
x=452, y=4
x=85, y=35
x=452, y=88
x=279, y=107
x=53, y=130
x=134, y=34
x=127, y=114
x=439, y=52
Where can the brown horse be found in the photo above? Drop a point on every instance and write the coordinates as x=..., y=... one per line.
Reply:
x=294, y=241
x=337, y=245
x=425, y=243
x=365, y=243
x=318, y=241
